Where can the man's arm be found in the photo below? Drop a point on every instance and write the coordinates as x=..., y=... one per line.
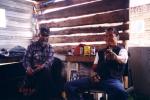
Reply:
x=122, y=57
x=27, y=60
x=95, y=62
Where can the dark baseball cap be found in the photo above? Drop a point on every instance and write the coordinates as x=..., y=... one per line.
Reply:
x=112, y=31
x=44, y=31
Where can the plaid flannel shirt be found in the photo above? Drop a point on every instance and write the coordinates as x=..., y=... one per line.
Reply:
x=36, y=54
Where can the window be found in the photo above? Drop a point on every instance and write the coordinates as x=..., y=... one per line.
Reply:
x=2, y=18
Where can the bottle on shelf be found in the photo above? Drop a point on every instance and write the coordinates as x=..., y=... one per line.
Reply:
x=93, y=50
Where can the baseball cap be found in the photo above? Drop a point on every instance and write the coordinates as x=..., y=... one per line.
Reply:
x=44, y=31
x=112, y=31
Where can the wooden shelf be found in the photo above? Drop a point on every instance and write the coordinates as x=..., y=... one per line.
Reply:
x=80, y=58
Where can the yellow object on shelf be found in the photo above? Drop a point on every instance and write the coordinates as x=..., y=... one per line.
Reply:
x=87, y=50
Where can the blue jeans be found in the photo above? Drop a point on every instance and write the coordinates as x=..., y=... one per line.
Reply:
x=113, y=87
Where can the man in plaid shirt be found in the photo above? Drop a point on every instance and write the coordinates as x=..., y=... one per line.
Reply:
x=37, y=62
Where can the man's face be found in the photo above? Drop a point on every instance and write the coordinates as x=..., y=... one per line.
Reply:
x=43, y=39
x=111, y=38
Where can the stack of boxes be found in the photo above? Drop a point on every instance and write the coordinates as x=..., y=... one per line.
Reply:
x=83, y=50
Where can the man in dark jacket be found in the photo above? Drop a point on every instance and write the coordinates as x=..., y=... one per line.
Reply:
x=109, y=64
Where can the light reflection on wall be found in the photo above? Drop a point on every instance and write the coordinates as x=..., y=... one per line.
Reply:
x=137, y=26
x=134, y=3
x=2, y=18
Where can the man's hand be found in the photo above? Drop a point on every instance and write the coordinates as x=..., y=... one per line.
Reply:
x=29, y=71
x=110, y=55
x=38, y=68
x=95, y=78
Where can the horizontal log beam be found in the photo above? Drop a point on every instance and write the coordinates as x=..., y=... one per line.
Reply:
x=64, y=49
x=61, y=4
x=88, y=38
x=43, y=5
x=113, y=17
x=124, y=36
x=73, y=39
x=97, y=29
x=95, y=7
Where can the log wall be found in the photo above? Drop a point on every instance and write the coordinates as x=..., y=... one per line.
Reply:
x=79, y=21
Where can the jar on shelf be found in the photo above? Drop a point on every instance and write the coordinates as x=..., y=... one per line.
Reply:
x=93, y=50
x=87, y=50
x=81, y=51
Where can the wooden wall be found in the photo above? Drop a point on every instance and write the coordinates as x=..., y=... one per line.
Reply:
x=18, y=30
x=80, y=21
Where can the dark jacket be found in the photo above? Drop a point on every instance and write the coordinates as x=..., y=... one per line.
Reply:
x=108, y=69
